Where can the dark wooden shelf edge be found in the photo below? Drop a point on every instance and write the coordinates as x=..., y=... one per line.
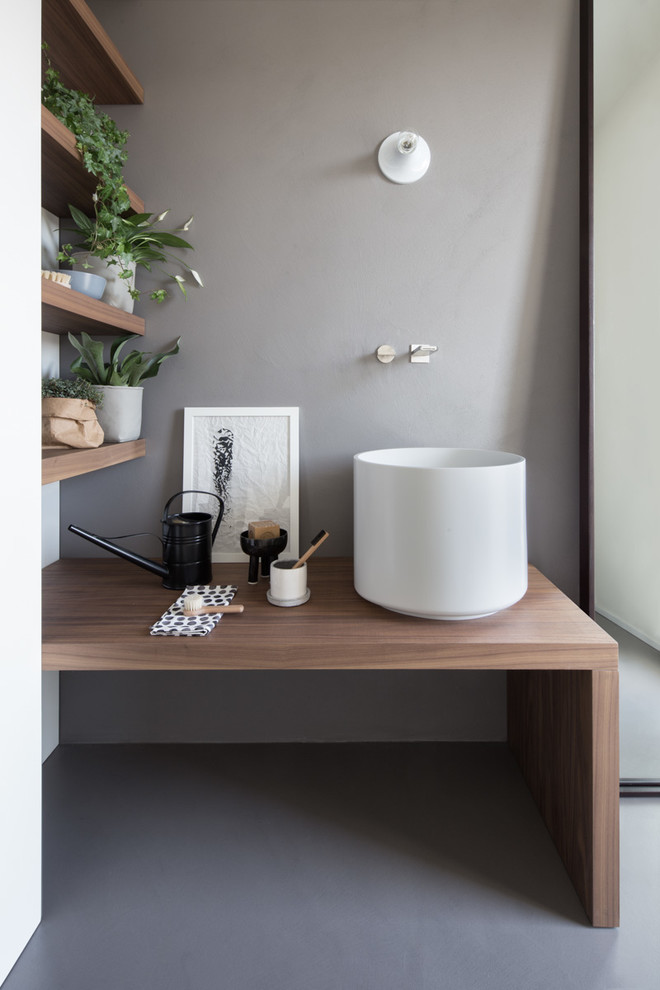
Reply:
x=84, y=54
x=63, y=309
x=58, y=464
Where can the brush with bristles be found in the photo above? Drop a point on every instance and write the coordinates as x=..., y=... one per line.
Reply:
x=194, y=605
x=316, y=543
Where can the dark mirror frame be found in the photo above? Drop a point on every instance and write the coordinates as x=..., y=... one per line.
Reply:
x=586, y=318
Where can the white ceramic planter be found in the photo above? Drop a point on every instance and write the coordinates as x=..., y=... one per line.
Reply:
x=120, y=415
x=440, y=532
x=116, y=290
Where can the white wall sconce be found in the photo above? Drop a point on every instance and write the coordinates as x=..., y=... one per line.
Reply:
x=404, y=157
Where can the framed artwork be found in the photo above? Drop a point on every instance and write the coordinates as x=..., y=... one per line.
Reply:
x=249, y=457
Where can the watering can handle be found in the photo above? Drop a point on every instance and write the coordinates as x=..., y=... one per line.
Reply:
x=197, y=491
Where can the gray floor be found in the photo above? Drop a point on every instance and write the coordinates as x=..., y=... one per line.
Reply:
x=639, y=667
x=336, y=867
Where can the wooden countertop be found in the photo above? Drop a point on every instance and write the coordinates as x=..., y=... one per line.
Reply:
x=98, y=612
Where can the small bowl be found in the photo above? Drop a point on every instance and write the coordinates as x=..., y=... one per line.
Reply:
x=86, y=282
x=264, y=551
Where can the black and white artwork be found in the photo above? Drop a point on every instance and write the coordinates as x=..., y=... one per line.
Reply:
x=249, y=457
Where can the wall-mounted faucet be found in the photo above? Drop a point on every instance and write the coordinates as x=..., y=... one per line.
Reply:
x=420, y=353
x=385, y=353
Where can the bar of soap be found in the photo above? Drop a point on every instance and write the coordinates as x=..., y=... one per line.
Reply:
x=266, y=529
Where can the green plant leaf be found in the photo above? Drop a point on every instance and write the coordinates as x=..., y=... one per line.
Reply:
x=134, y=368
x=117, y=378
x=136, y=219
x=117, y=345
x=81, y=221
x=91, y=352
x=171, y=240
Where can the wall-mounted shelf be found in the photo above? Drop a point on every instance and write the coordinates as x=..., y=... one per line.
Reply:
x=84, y=54
x=62, y=310
x=86, y=59
x=64, y=178
x=58, y=463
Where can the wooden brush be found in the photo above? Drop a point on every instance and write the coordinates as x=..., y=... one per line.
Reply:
x=316, y=543
x=194, y=605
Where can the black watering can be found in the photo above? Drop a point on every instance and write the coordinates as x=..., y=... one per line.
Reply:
x=187, y=544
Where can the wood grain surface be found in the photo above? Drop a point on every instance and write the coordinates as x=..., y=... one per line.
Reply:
x=59, y=463
x=86, y=57
x=98, y=612
x=562, y=675
x=563, y=729
x=63, y=310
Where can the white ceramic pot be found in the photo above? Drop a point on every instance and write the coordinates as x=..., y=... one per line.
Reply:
x=120, y=415
x=116, y=290
x=288, y=586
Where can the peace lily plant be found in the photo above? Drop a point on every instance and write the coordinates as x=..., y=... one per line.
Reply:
x=128, y=242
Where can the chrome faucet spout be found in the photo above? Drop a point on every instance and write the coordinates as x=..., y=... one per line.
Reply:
x=421, y=352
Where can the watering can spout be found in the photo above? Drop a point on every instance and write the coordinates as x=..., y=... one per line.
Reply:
x=187, y=545
x=134, y=558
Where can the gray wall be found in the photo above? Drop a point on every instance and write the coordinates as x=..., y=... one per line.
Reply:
x=263, y=118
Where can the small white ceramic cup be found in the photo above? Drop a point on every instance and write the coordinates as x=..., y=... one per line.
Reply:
x=286, y=584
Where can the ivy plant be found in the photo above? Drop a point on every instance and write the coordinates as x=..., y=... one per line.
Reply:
x=98, y=138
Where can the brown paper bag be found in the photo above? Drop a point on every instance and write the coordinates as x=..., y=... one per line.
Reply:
x=69, y=423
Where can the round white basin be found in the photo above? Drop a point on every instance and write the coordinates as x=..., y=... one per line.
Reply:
x=440, y=532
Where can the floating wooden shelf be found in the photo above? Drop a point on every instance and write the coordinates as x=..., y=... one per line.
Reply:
x=86, y=59
x=62, y=310
x=84, y=54
x=64, y=179
x=58, y=463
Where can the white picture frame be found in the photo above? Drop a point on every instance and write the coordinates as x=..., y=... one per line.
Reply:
x=250, y=457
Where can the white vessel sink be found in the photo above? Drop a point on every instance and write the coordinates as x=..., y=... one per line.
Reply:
x=440, y=532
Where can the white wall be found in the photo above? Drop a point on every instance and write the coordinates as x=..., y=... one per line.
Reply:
x=50, y=498
x=627, y=320
x=20, y=427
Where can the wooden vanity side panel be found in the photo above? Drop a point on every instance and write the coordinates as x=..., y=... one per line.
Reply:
x=563, y=730
x=606, y=795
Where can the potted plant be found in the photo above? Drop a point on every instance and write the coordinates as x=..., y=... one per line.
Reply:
x=118, y=380
x=110, y=242
x=115, y=246
x=68, y=413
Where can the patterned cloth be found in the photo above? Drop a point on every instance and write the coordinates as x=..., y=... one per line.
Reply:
x=175, y=623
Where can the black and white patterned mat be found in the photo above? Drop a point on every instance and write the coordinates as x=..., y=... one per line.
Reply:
x=175, y=623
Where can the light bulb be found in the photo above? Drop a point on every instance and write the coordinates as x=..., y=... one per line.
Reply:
x=407, y=142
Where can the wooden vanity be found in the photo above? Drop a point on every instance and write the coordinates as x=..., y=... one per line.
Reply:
x=562, y=675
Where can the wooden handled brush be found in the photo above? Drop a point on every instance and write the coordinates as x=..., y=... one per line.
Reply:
x=194, y=605
x=316, y=543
